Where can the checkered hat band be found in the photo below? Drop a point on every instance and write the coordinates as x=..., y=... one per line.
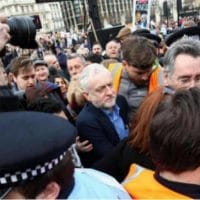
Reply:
x=30, y=173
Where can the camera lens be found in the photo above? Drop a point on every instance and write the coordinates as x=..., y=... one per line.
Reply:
x=22, y=31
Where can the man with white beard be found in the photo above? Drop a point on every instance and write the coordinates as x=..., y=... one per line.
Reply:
x=103, y=120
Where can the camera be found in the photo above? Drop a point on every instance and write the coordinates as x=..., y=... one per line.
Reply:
x=22, y=31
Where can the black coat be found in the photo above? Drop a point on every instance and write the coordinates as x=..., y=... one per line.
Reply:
x=94, y=125
x=118, y=162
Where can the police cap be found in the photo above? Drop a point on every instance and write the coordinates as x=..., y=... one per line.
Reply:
x=193, y=32
x=146, y=33
x=31, y=144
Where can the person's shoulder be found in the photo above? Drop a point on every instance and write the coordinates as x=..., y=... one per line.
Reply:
x=86, y=111
x=88, y=115
x=121, y=98
x=127, y=151
x=90, y=183
x=97, y=176
x=121, y=102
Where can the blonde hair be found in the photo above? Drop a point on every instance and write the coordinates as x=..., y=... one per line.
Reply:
x=74, y=93
x=107, y=62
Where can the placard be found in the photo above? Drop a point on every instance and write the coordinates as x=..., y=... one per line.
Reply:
x=141, y=13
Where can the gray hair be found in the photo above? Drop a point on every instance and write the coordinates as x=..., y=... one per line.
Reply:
x=75, y=55
x=112, y=41
x=185, y=45
x=88, y=72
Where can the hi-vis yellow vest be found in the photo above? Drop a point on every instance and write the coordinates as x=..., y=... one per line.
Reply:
x=141, y=184
x=116, y=71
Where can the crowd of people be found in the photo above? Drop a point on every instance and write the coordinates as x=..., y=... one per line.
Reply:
x=87, y=122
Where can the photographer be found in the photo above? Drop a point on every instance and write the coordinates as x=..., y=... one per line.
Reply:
x=18, y=31
x=4, y=32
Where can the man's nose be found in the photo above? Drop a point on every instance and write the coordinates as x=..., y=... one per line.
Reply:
x=193, y=83
x=109, y=90
x=74, y=72
x=31, y=81
x=145, y=76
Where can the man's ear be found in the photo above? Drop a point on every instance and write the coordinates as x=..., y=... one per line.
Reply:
x=124, y=63
x=166, y=78
x=14, y=78
x=51, y=191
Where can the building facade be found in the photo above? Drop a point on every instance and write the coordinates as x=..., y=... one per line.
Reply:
x=73, y=14
x=190, y=8
x=115, y=12
x=111, y=13
x=183, y=8
x=50, y=14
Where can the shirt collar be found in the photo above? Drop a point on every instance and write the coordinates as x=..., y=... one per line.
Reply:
x=190, y=190
x=115, y=109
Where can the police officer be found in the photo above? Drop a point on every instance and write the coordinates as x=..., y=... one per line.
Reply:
x=35, y=162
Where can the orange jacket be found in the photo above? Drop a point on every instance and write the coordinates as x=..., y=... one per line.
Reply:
x=116, y=71
x=141, y=184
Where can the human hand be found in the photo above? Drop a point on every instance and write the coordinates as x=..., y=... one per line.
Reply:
x=84, y=146
x=4, y=32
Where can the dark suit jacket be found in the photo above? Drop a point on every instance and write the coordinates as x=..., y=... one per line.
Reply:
x=95, y=126
x=118, y=162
